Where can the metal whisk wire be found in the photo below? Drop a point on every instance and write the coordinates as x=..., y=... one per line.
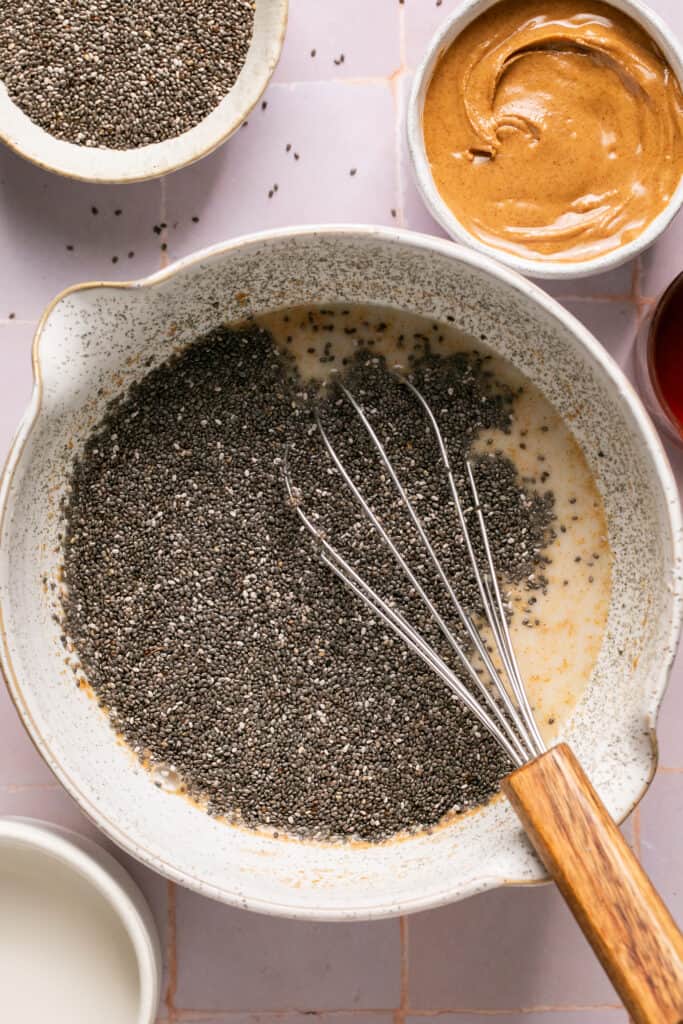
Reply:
x=510, y=721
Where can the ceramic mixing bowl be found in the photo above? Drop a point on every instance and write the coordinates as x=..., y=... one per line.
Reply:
x=109, y=166
x=439, y=209
x=96, y=339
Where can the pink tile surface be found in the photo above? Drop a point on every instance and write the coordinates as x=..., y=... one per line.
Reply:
x=661, y=837
x=510, y=948
x=670, y=725
x=612, y=321
x=270, y=964
x=41, y=214
x=516, y=953
x=20, y=763
x=663, y=258
x=366, y=35
x=16, y=377
x=340, y=175
x=422, y=18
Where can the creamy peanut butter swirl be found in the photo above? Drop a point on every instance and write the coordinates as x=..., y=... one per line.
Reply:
x=554, y=129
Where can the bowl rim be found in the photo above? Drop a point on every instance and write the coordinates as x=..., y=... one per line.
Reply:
x=554, y=269
x=163, y=164
x=103, y=873
x=603, y=360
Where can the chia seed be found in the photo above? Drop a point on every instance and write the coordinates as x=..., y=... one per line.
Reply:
x=211, y=633
x=118, y=74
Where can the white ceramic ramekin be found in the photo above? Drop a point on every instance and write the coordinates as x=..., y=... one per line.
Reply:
x=549, y=269
x=116, y=166
x=94, y=866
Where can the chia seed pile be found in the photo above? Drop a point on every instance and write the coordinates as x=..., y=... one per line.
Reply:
x=213, y=635
x=118, y=74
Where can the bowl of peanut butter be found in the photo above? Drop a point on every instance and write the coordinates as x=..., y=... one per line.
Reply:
x=549, y=133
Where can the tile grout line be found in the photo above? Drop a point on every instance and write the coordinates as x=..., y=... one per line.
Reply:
x=350, y=80
x=171, y=953
x=184, y=1015
x=396, y=82
x=404, y=999
x=635, y=279
x=643, y=300
x=469, y=1011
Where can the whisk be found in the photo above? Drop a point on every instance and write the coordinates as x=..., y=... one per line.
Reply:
x=611, y=897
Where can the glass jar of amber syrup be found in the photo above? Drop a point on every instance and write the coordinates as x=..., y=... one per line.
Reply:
x=659, y=361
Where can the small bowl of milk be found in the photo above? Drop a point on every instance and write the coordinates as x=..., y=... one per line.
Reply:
x=77, y=940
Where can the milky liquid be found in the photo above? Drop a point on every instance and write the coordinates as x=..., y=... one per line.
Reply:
x=65, y=957
x=558, y=637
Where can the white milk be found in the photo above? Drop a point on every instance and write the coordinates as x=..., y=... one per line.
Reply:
x=557, y=656
x=65, y=957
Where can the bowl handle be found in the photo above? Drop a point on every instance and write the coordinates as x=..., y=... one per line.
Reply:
x=620, y=912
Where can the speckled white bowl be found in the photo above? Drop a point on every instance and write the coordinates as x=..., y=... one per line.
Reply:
x=116, y=166
x=96, y=339
x=549, y=269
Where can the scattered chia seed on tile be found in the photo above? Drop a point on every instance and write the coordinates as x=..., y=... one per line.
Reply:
x=210, y=631
x=121, y=75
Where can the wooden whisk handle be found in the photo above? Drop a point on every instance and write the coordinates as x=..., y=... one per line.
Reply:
x=613, y=900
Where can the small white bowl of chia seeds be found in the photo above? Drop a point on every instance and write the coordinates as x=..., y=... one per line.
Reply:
x=108, y=95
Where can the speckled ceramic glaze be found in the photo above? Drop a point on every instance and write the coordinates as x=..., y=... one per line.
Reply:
x=95, y=339
x=120, y=165
x=439, y=209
